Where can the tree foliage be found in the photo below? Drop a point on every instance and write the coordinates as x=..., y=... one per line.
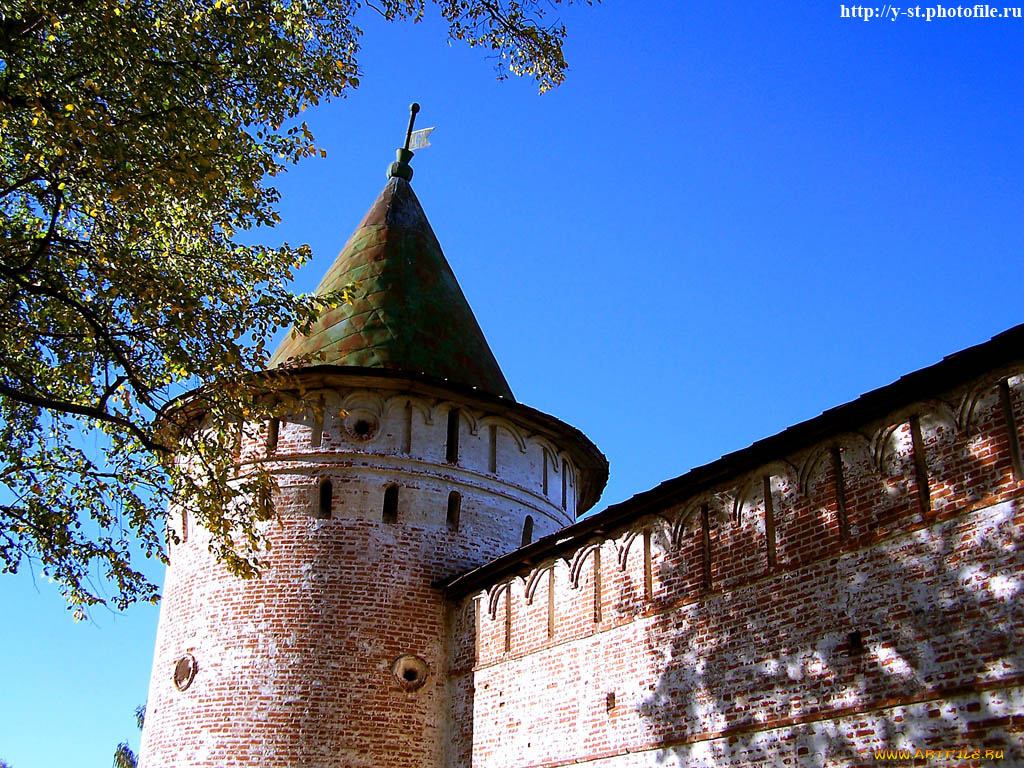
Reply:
x=137, y=138
x=124, y=757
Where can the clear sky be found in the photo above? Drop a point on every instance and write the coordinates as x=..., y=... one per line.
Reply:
x=731, y=217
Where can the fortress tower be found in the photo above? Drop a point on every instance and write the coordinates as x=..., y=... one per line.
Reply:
x=413, y=463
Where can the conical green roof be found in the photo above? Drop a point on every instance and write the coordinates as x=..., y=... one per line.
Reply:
x=409, y=313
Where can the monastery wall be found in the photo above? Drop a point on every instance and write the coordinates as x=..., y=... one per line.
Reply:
x=861, y=594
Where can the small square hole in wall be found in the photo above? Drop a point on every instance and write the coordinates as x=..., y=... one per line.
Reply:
x=609, y=701
x=855, y=643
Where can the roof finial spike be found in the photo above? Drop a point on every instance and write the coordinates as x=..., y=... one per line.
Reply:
x=401, y=167
x=413, y=109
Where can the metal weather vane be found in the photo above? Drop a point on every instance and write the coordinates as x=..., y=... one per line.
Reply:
x=413, y=140
x=416, y=139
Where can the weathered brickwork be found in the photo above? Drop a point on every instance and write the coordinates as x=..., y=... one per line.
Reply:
x=862, y=593
x=407, y=438
x=836, y=595
x=850, y=586
x=302, y=666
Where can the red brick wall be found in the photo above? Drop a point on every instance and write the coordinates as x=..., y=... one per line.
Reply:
x=294, y=668
x=907, y=632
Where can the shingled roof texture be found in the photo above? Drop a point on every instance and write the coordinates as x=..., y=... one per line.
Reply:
x=409, y=313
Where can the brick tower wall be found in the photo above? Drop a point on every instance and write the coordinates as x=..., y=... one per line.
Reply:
x=874, y=603
x=298, y=668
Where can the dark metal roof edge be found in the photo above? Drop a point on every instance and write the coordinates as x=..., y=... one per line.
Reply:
x=952, y=371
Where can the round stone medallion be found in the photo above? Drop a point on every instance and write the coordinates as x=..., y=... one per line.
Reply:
x=410, y=672
x=361, y=425
x=185, y=671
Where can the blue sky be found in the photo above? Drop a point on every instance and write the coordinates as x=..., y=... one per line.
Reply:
x=730, y=218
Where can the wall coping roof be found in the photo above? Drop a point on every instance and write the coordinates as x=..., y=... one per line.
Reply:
x=955, y=370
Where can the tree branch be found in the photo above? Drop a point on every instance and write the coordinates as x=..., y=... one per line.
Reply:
x=110, y=390
x=141, y=390
x=19, y=184
x=55, y=404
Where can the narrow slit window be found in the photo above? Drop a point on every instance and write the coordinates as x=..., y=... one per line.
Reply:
x=454, y=510
x=326, y=500
x=492, y=462
x=565, y=479
x=391, y=504
x=544, y=477
x=527, y=530
x=239, y=434
x=264, y=505
x=316, y=435
x=273, y=432
x=184, y=526
x=407, y=436
x=452, y=446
